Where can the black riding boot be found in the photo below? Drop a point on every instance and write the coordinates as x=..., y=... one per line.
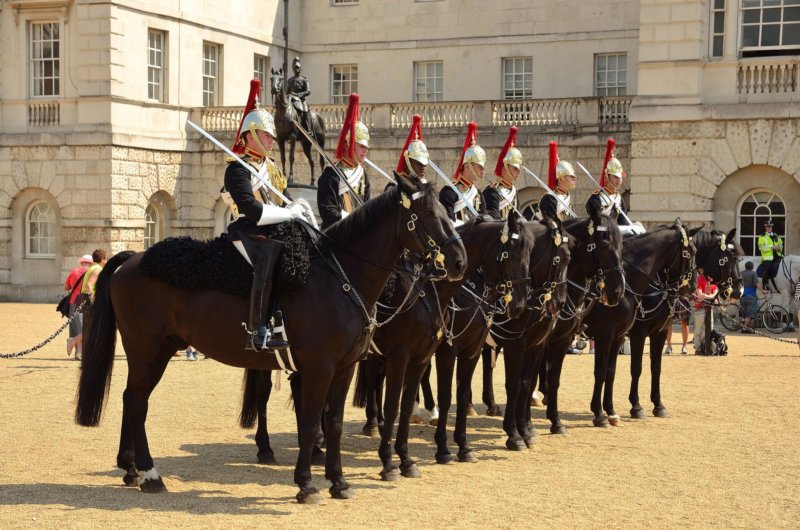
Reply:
x=264, y=254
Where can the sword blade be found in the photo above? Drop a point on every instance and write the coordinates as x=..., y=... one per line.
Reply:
x=379, y=170
x=447, y=181
x=549, y=191
x=602, y=190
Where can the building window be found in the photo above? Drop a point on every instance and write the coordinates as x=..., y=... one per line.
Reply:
x=152, y=230
x=770, y=25
x=610, y=74
x=717, y=28
x=156, y=42
x=344, y=2
x=41, y=231
x=428, y=81
x=518, y=78
x=759, y=206
x=211, y=60
x=344, y=81
x=260, y=69
x=45, y=59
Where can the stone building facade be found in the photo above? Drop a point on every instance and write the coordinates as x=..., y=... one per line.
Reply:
x=94, y=98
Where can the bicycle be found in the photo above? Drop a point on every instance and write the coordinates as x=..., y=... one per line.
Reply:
x=773, y=317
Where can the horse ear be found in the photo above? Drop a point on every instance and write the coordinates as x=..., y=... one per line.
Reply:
x=692, y=231
x=405, y=185
x=677, y=222
x=731, y=235
x=512, y=222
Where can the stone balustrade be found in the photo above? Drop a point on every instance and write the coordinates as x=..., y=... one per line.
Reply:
x=44, y=113
x=537, y=112
x=768, y=76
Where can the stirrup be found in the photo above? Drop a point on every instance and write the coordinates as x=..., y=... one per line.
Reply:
x=262, y=341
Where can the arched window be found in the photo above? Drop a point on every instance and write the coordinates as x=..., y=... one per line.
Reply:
x=41, y=231
x=529, y=210
x=755, y=208
x=152, y=231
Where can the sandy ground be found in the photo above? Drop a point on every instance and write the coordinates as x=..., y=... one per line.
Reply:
x=728, y=457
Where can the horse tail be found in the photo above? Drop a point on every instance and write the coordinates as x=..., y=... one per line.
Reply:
x=98, y=348
x=360, y=393
x=249, y=413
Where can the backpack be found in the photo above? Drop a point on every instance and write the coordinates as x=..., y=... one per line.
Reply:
x=63, y=304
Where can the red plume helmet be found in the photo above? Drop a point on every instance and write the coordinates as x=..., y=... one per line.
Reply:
x=252, y=103
x=609, y=154
x=510, y=142
x=415, y=133
x=470, y=140
x=348, y=133
x=552, y=181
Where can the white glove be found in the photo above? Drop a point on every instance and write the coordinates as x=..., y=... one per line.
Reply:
x=345, y=214
x=458, y=222
x=632, y=229
x=271, y=214
x=638, y=228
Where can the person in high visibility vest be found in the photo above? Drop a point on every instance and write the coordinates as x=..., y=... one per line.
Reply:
x=771, y=247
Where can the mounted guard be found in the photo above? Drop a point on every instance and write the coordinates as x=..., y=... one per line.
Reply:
x=607, y=200
x=470, y=171
x=335, y=198
x=414, y=159
x=501, y=196
x=298, y=89
x=255, y=206
x=562, y=180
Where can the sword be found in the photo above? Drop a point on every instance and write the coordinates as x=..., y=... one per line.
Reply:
x=603, y=191
x=550, y=192
x=244, y=164
x=321, y=151
x=379, y=170
x=439, y=172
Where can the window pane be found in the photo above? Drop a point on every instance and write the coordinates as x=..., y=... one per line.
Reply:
x=771, y=15
x=719, y=22
x=749, y=36
x=751, y=16
x=791, y=34
x=791, y=14
x=770, y=35
x=719, y=4
x=717, y=49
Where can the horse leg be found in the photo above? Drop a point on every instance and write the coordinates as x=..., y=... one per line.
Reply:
x=601, y=354
x=310, y=158
x=427, y=392
x=263, y=391
x=313, y=390
x=530, y=366
x=292, y=142
x=492, y=408
x=657, y=341
x=512, y=358
x=395, y=374
x=340, y=488
x=608, y=391
x=637, y=352
x=144, y=373
x=317, y=454
x=445, y=363
x=126, y=455
x=466, y=367
x=282, y=146
x=558, y=352
x=370, y=366
x=408, y=467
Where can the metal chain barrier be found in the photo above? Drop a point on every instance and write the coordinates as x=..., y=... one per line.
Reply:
x=45, y=341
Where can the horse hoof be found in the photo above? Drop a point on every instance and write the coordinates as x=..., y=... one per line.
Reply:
x=131, y=479
x=410, y=470
x=390, y=474
x=342, y=492
x=515, y=444
x=637, y=413
x=267, y=458
x=444, y=459
x=415, y=419
x=153, y=486
x=467, y=456
x=310, y=496
x=471, y=412
x=317, y=457
x=660, y=412
x=494, y=410
x=615, y=420
x=433, y=422
x=372, y=431
x=558, y=429
x=601, y=421
x=529, y=441
x=536, y=402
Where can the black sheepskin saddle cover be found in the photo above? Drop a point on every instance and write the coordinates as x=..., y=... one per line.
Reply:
x=216, y=265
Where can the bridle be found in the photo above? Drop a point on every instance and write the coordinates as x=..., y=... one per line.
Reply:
x=539, y=297
x=599, y=278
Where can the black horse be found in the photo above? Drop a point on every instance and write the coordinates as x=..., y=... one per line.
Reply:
x=347, y=273
x=594, y=272
x=500, y=251
x=286, y=120
x=717, y=254
x=666, y=249
x=471, y=319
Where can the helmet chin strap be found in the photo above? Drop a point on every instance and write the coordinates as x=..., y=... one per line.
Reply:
x=475, y=177
x=254, y=135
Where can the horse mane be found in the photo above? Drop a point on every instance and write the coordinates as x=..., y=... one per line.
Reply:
x=364, y=218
